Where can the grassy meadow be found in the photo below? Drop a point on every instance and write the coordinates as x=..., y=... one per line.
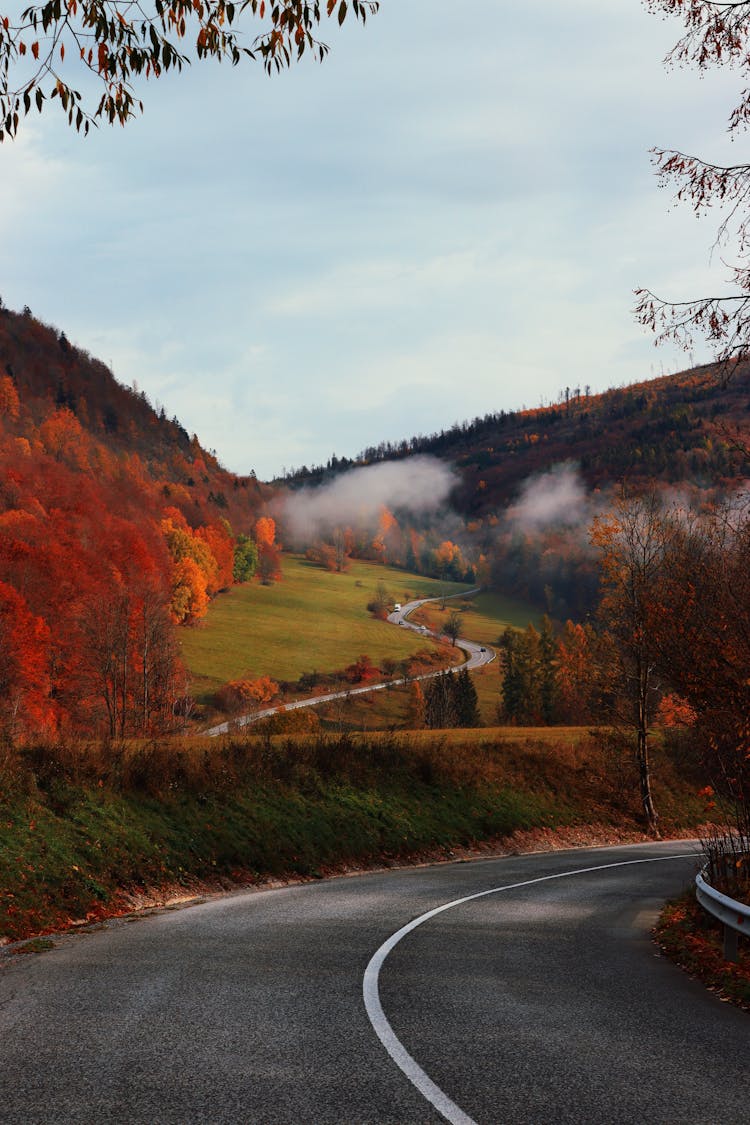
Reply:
x=313, y=620
x=484, y=616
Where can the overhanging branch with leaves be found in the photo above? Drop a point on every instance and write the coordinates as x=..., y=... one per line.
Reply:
x=118, y=43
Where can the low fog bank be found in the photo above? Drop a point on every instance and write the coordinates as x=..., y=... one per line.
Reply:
x=418, y=487
x=556, y=500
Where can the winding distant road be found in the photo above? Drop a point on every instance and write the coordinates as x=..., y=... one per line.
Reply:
x=476, y=656
x=515, y=991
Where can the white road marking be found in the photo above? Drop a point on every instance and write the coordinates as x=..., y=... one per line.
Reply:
x=385, y=1033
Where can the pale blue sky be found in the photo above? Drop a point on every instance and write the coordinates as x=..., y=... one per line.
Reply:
x=446, y=218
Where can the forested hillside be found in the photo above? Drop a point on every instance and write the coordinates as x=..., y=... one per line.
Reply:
x=529, y=483
x=114, y=525
x=677, y=428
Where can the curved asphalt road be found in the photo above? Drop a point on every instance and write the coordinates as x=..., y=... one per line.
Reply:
x=538, y=1003
x=476, y=656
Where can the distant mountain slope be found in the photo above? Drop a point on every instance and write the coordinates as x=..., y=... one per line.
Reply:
x=50, y=374
x=114, y=524
x=672, y=429
x=530, y=482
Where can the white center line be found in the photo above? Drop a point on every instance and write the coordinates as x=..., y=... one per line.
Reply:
x=385, y=1033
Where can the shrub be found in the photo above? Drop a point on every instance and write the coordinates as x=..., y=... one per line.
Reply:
x=245, y=695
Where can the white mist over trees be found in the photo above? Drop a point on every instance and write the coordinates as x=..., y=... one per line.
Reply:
x=419, y=486
x=558, y=498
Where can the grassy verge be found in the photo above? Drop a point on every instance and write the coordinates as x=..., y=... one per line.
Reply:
x=693, y=939
x=312, y=620
x=83, y=826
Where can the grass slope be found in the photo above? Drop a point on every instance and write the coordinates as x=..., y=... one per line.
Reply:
x=483, y=617
x=83, y=826
x=312, y=620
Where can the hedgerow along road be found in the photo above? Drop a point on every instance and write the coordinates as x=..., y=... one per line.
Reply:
x=503, y=992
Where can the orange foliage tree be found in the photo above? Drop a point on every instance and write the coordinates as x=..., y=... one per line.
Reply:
x=269, y=551
x=64, y=439
x=25, y=703
x=197, y=573
x=415, y=715
x=265, y=532
x=246, y=694
x=220, y=542
x=574, y=674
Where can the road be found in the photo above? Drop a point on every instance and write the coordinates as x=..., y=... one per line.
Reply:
x=476, y=656
x=541, y=1001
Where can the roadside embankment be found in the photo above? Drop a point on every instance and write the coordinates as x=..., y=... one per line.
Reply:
x=693, y=940
x=89, y=830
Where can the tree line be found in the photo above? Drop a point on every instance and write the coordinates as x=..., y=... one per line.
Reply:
x=669, y=641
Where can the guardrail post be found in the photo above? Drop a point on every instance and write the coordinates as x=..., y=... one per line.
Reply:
x=730, y=944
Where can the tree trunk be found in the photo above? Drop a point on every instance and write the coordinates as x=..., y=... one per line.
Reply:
x=644, y=773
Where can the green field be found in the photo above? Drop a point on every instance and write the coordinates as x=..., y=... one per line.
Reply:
x=483, y=616
x=312, y=620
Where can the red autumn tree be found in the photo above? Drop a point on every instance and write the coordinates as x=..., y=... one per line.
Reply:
x=361, y=671
x=9, y=402
x=25, y=704
x=129, y=662
x=220, y=542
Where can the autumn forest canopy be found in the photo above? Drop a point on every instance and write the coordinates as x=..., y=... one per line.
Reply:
x=114, y=526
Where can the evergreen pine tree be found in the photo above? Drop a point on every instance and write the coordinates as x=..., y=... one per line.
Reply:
x=465, y=700
x=547, y=671
x=439, y=703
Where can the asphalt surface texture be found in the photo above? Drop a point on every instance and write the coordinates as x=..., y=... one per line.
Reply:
x=545, y=1002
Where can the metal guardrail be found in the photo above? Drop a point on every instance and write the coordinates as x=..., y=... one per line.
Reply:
x=735, y=916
